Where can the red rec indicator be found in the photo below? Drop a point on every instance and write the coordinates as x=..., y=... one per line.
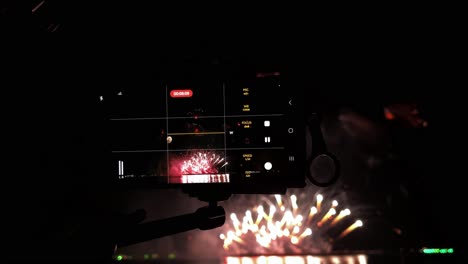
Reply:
x=183, y=93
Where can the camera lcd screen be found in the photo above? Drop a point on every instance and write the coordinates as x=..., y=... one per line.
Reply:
x=205, y=131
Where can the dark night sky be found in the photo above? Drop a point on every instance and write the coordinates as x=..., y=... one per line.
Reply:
x=354, y=71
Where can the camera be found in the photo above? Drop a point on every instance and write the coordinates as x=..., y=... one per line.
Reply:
x=212, y=128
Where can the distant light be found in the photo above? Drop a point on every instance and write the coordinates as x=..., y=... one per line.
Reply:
x=359, y=223
x=146, y=256
x=171, y=256
x=119, y=258
x=388, y=115
x=334, y=203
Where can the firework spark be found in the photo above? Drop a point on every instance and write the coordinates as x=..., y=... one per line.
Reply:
x=327, y=217
x=334, y=203
x=313, y=211
x=280, y=202
x=352, y=227
x=284, y=225
x=319, y=201
x=340, y=216
x=203, y=163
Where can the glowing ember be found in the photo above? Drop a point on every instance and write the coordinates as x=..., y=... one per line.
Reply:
x=334, y=203
x=319, y=201
x=348, y=230
x=327, y=216
x=203, y=163
x=340, y=216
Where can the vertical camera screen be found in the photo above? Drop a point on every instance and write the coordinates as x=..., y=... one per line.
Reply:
x=204, y=131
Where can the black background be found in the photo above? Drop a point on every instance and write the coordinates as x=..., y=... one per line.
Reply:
x=362, y=63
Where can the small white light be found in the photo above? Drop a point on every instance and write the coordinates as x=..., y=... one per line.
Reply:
x=313, y=210
x=319, y=198
x=268, y=165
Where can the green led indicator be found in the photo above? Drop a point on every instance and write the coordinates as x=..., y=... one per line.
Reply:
x=146, y=256
x=119, y=258
x=171, y=256
x=438, y=250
